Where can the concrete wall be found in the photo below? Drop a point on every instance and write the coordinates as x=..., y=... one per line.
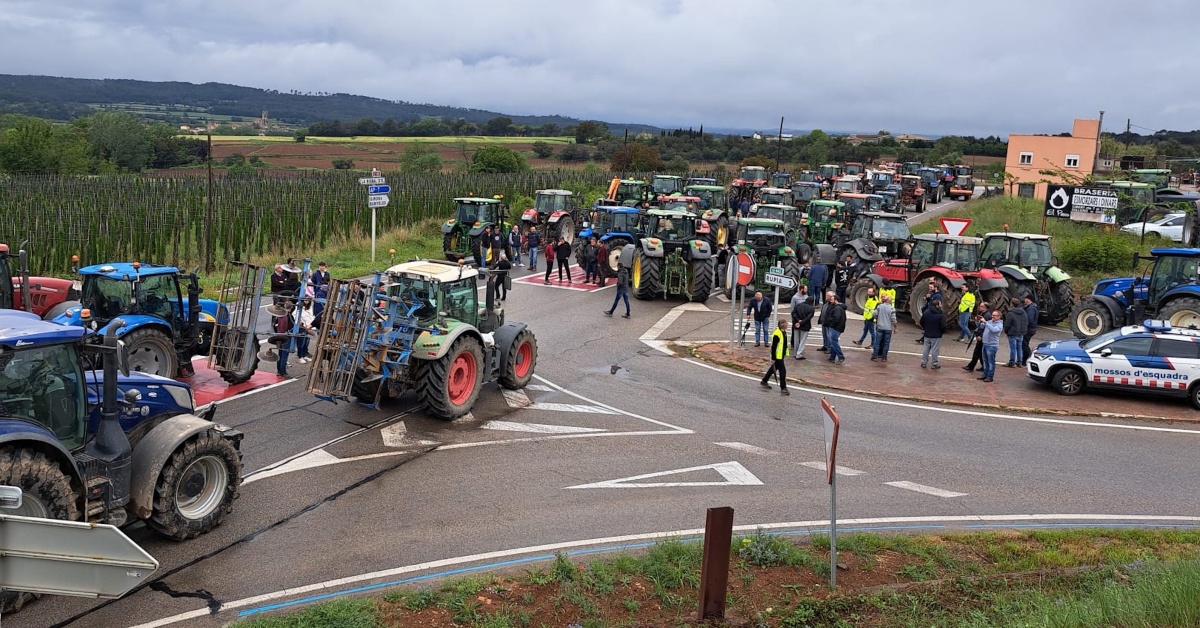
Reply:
x=1050, y=153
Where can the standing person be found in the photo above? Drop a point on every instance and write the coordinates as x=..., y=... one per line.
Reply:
x=869, y=306
x=514, y=244
x=822, y=321
x=591, y=270
x=990, y=341
x=934, y=293
x=562, y=255
x=933, y=322
x=495, y=245
x=835, y=320
x=885, y=324
x=320, y=284
x=778, y=355
x=550, y=263
x=722, y=263
x=841, y=277
x=279, y=280
x=760, y=308
x=979, y=317
x=744, y=208
x=283, y=326
x=802, y=315
x=306, y=329
x=503, y=276
x=817, y=276
x=602, y=264
x=485, y=247
x=622, y=291
x=1031, y=314
x=533, y=241
x=1016, y=323
x=966, y=307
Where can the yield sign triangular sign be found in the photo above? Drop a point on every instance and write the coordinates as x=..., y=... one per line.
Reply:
x=732, y=474
x=955, y=226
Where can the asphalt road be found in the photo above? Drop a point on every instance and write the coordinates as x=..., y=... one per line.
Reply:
x=342, y=492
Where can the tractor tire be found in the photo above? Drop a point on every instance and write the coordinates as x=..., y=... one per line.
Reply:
x=702, y=280
x=792, y=269
x=1061, y=302
x=609, y=267
x=449, y=386
x=720, y=234
x=950, y=298
x=150, y=351
x=522, y=360
x=368, y=392
x=566, y=229
x=803, y=252
x=646, y=275
x=242, y=376
x=196, y=488
x=1090, y=319
x=449, y=242
x=59, y=309
x=1183, y=312
x=856, y=296
x=996, y=298
x=577, y=253
x=47, y=495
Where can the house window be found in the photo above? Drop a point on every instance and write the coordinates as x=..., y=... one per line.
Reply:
x=1072, y=161
x=1026, y=189
x=1026, y=159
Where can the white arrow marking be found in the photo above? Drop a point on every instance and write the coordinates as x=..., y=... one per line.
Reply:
x=838, y=469
x=734, y=473
x=394, y=435
x=750, y=449
x=921, y=488
x=516, y=398
x=538, y=428
x=538, y=387
x=319, y=458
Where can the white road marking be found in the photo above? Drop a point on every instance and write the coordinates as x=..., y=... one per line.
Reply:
x=734, y=473
x=311, y=460
x=750, y=449
x=329, y=586
x=538, y=387
x=932, y=408
x=651, y=336
x=466, y=418
x=838, y=469
x=394, y=435
x=569, y=407
x=921, y=488
x=515, y=398
x=332, y=441
x=243, y=395
x=538, y=428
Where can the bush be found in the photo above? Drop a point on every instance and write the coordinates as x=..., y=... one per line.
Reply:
x=343, y=164
x=1099, y=252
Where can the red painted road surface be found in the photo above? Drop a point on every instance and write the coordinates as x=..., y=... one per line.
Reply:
x=537, y=279
x=208, y=386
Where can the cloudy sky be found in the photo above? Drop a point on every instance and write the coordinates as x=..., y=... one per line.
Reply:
x=917, y=66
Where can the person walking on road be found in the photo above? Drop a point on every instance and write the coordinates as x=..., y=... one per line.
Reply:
x=549, y=262
x=835, y=321
x=1016, y=323
x=933, y=321
x=802, y=314
x=722, y=263
x=503, y=278
x=885, y=325
x=760, y=309
x=1031, y=314
x=562, y=255
x=622, y=291
x=966, y=307
x=817, y=277
x=868, y=314
x=981, y=315
x=990, y=341
x=533, y=241
x=602, y=264
x=778, y=358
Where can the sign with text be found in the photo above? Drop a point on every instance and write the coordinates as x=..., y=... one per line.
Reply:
x=783, y=281
x=1081, y=203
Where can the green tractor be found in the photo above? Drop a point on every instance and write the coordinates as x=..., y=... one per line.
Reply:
x=766, y=240
x=461, y=234
x=674, y=257
x=629, y=192
x=666, y=185
x=1027, y=263
x=714, y=211
x=824, y=219
x=791, y=218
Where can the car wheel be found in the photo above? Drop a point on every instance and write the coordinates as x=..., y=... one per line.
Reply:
x=1068, y=381
x=1194, y=395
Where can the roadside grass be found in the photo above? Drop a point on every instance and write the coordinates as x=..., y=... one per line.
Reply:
x=351, y=257
x=1053, y=578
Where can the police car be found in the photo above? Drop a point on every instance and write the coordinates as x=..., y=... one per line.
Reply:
x=1149, y=358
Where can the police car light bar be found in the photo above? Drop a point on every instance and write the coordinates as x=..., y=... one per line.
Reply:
x=1156, y=325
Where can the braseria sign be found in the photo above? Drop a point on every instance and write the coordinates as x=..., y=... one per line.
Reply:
x=1083, y=203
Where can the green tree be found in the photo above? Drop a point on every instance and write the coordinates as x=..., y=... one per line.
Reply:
x=343, y=163
x=500, y=125
x=301, y=134
x=120, y=138
x=420, y=157
x=635, y=157
x=589, y=130
x=543, y=150
x=28, y=146
x=677, y=164
x=497, y=158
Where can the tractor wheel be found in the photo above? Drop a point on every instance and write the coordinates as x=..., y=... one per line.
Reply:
x=614, y=255
x=720, y=234
x=449, y=386
x=803, y=252
x=150, y=351
x=646, y=275
x=243, y=375
x=566, y=229
x=522, y=359
x=996, y=298
x=856, y=297
x=368, y=392
x=577, y=253
x=1090, y=319
x=1184, y=312
x=1061, y=301
x=196, y=488
x=46, y=492
x=792, y=269
x=450, y=244
x=950, y=298
x=58, y=309
x=702, y=280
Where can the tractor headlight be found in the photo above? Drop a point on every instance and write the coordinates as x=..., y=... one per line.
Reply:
x=183, y=396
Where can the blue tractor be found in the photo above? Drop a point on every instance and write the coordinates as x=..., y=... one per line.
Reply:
x=614, y=226
x=1171, y=293
x=109, y=446
x=164, y=321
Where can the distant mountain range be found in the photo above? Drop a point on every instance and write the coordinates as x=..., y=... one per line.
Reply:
x=68, y=98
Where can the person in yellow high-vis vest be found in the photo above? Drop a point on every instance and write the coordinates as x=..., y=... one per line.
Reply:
x=965, y=306
x=779, y=351
x=869, y=306
x=891, y=292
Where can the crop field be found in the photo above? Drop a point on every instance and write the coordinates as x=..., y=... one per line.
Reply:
x=318, y=153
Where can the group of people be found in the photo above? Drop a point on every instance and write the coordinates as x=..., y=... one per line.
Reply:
x=292, y=307
x=1018, y=324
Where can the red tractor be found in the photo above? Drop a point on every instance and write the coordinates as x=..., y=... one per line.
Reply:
x=912, y=192
x=40, y=295
x=750, y=180
x=951, y=261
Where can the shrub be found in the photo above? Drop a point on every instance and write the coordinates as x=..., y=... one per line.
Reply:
x=343, y=164
x=1099, y=252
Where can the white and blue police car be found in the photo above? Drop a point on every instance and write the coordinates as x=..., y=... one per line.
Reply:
x=1149, y=358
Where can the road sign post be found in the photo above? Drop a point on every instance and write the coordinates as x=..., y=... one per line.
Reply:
x=731, y=273
x=376, y=197
x=831, y=426
x=70, y=558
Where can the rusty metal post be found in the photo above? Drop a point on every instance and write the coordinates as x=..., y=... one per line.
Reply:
x=714, y=570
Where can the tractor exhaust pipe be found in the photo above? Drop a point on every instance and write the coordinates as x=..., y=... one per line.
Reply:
x=110, y=447
x=23, y=270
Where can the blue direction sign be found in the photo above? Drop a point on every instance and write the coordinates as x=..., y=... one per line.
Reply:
x=379, y=189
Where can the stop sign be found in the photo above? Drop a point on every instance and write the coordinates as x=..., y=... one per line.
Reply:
x=745, y=269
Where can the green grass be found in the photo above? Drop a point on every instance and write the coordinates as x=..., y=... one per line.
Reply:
x=336, y=614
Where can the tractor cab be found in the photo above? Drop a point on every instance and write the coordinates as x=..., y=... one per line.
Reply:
x=956, y=253
x=930, y=177
x=753, y=175
x=689, y=204
x=1172, y=268
x=853, y=168
x=1135, y=200
x=471, y=216
x=441, y=295
x=855, y=204
x=612, y=219
x=671, y=225
x=765, y=237
x=829, y=171
x=42, y=379
x=700, y=181
x=805, y=191
x=773, y=211
x=479, y=212
x=911, y=168
x=781, y=180
x=780, y=196
x=808, y=176
x=891, y=200
x=963, y=171
x=630, y=192
x=845, y=185
x=546, y=202
x=874, y=203
x=666, y=185
x=711, y=196
x=1029, y=251
x=1156, y=177
x=824, y=217
x=880, y=179
x=889, y=232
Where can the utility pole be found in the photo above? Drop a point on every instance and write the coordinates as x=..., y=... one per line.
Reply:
x=208, y=212
x=779, y=144
x=1099, y=132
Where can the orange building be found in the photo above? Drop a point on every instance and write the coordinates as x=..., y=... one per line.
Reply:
x=1031, y=156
